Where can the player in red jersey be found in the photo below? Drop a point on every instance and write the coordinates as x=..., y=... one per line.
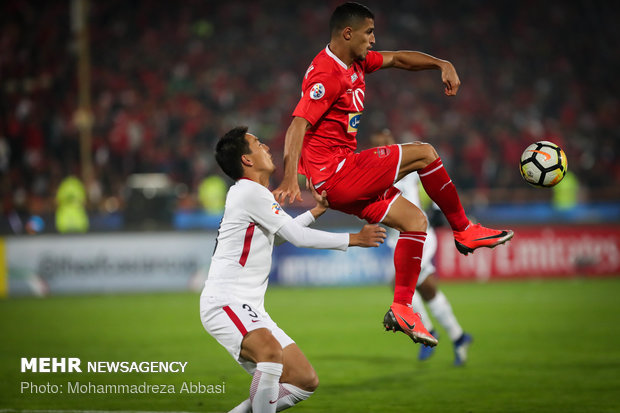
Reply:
x=320, y=144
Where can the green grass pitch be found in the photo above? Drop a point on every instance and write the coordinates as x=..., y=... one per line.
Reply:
x=539, y=346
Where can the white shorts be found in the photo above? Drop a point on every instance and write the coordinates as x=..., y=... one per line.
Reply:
x=428, y=254
x=229, y=320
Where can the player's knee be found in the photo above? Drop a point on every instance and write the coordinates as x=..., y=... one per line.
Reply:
x=404, y=216
x=415, y=221
x=416, y=156
x=272, y=353
x=260, y=345
x=310, y=382
x=422, y=222
x=304, y=378
x=429, y=153
x=314, y=384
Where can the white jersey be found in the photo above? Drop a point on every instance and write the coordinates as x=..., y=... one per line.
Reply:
x=242, y=258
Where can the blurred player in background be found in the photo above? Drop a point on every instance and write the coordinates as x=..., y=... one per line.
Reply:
x=426, y=286
x=320, y=144
x=232, y=303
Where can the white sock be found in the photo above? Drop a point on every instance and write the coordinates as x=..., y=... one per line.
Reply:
x=265, y=387
x=244, y=407
x=418, y=307
x=442, y=310
x=290, y=395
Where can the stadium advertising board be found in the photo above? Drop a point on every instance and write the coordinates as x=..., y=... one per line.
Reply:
x=302, y=266
x=536, y=252
x=50, y=264
x=145, y=262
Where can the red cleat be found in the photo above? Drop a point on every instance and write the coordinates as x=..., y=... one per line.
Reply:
x=476, y=236
x=402, y=318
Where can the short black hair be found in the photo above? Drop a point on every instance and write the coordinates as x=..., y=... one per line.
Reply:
x=229, y=149
x=348, y=14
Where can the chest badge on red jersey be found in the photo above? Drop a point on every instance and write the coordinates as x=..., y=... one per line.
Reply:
x=382, y=151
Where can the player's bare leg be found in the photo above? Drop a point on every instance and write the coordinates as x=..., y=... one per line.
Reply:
x=261, y=347
x=411, y=222
x=298, y=379
x=423, y=158
x=415, y=156
x=298, y=370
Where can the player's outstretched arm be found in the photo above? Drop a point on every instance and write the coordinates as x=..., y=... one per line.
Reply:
x=410, y=60
x=370, y=236
x=289, y=187
x=300, y=236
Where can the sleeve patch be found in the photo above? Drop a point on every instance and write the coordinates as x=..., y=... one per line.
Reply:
x=317, y=91
x=276, y=208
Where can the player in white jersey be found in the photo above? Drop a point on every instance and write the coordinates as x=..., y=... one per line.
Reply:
x=232, y=306
x=426, y=286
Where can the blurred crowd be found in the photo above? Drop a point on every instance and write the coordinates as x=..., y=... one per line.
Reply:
x=168, y=78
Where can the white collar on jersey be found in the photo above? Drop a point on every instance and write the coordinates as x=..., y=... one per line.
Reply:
x=333, y=56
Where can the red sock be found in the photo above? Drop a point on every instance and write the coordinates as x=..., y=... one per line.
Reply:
x=407, y=262
x=441, y=190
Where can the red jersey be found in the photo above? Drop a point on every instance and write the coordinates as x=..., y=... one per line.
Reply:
x=332, y=101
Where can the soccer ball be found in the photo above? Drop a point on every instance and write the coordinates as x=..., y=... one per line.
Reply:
x=543, y=164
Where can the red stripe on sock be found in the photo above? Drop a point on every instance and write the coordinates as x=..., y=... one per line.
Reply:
x=254, y=384
x=419, y=239
x=283, y=392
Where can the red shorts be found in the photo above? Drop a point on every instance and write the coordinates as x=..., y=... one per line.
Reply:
x=363, y=186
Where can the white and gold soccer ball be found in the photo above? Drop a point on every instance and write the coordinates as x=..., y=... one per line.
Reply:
x=543, y=164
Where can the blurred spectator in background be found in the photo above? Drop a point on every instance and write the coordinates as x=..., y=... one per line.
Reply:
x=566, y=196
x=71, y=210
x=212, y=194
x=169, y=77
